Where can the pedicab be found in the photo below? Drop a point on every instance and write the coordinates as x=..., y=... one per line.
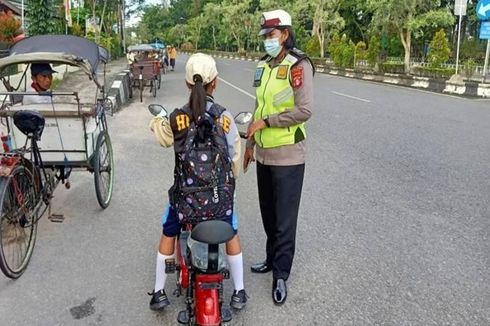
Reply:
x=162, y=55
x=44, y=142
x=145, y=68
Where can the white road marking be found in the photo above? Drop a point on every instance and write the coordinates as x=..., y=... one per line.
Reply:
x=351, y=97
x=237, y=88
x=251, y=70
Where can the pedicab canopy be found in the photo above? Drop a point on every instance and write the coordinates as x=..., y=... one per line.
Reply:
x=67, y=49
x=141, y=47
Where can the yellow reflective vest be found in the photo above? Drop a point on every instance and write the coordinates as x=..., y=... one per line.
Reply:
x=274, y=95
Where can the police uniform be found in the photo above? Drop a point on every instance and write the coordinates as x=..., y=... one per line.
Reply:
x=284, y=100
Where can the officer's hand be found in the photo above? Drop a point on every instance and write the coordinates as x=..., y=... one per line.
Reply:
x=254, y=127
x=248, y=157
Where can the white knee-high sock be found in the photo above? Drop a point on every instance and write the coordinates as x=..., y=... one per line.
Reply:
x=161, y=276
x=236, y=269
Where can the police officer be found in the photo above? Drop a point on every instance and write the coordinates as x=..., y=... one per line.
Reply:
x=284, y=91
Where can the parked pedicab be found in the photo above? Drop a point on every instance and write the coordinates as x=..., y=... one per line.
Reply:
x=44, y=142
x=145, y=68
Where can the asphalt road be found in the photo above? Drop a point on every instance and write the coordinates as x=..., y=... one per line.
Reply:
x=393, y=228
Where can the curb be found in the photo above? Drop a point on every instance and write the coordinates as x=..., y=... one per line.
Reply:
x=464, y=89
x=120, y=91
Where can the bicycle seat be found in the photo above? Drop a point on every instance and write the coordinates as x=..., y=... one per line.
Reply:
x=29, y=122
x=212, y=232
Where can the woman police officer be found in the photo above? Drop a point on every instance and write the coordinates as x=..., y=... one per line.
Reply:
x=284, y=93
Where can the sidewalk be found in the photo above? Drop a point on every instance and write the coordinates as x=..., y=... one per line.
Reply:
x=79, y=82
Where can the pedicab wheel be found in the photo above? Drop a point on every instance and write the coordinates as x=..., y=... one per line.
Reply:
x=130, y=91
x=159, y=81
x=142, y=87
x=103, y=169
x=18, y=221
x=154, y=88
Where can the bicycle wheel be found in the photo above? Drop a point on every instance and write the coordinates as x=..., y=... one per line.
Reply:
x=159, y=81
x=103, y=169
x=154, y=87
x=18, y=221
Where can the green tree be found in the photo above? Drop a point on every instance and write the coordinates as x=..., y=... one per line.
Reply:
x=408, y=18
x=195, y=25
x=212, y=15
x=235, y=18
x=439, y=51
x=326, y=19
x=357, y=19
x=42, y=18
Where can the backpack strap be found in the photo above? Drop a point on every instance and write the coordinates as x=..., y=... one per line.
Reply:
x=215, y=111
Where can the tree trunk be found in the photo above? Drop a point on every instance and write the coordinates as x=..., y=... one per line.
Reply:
x=237, y=38
x=214, y=37
x=321, y=40
x=406, y=38
x=101, y=21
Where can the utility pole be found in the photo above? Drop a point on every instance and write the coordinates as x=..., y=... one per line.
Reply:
x=123, y=29
x=459, y=10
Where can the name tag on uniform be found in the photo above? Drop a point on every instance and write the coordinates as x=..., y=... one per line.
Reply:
x=282, y=72
x=258, y=76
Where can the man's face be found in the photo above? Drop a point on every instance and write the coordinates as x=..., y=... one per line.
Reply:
x=43, y=80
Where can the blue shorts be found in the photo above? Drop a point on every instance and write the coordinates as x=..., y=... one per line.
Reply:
x=172, y=226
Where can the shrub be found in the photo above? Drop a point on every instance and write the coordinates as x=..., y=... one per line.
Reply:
x=439, y=50
x=434, y=72
x=469, y=67
x=313, y=47
x=373, y=50
x=9, y=26
x=472, y=49
x=348, y=50
x=361, y=51
x=392, y=67
x=342, y=51
x=186, y=46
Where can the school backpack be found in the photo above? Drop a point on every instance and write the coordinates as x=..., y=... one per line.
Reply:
x=205, y=184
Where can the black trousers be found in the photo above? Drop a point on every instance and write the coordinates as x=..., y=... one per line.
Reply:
x=279, y=196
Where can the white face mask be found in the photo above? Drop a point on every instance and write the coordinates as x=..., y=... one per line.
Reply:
x=272, y=47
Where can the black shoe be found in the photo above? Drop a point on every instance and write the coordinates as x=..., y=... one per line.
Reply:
x=261, y=268
x=238, y=299
x=279, y=291
x=158, y=300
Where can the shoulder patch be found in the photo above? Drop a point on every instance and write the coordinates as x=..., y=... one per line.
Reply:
x=297, y=76
x=226, y=124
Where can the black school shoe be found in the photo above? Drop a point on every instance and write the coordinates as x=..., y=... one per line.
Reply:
x=238, y=299
x=158, y=300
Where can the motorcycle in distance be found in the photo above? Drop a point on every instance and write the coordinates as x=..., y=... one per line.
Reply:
x=200, y=262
